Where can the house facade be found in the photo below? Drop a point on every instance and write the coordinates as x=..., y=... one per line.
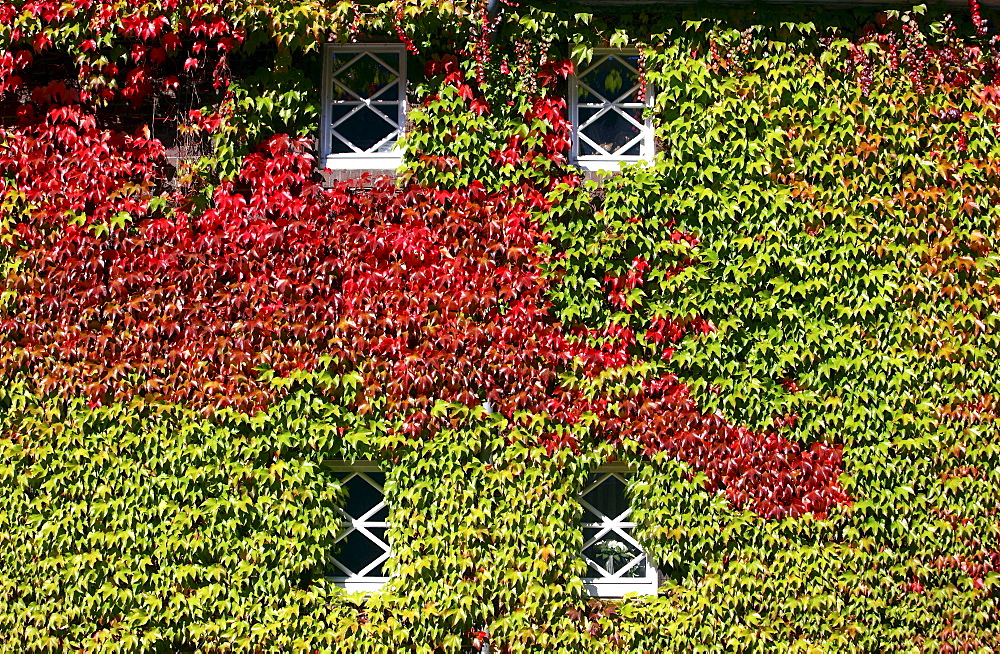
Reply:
x=498, y=326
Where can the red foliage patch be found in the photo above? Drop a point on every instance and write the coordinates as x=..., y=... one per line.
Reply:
x=124, y=288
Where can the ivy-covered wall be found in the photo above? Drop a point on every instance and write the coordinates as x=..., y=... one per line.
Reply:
x=787, y=323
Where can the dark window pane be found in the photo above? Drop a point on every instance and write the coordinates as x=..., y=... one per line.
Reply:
x=390, y=58
x=389, y=93
x=589, y=517
x=358, y=549
x=637, y=571
x=611, y=80
x=608, y=497
x=588, y=535
x=365, y=128
x=382, y=515
x=355, y=552
x=379, y=532
x=337, y=146
x=613, y=552
x=361, y=495
x=366, y=77
x=612, y=130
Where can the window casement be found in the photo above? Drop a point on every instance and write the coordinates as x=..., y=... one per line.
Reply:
x=364, y=105
x=616, y=562
x=362, y=544
x=606, y=107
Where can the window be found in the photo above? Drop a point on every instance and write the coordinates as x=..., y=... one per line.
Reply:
x=606, y=112
x=616, y=562
x=363, y=547
x=364, y=106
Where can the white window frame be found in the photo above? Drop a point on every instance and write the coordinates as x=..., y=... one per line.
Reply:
x=613, y=584
x=359, y=160
x=647, y=141
x=360, y=582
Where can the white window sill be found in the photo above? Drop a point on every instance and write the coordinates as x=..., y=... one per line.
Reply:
x=388, y=161
x=601, y=588
x=370, y=585
x=602, y=164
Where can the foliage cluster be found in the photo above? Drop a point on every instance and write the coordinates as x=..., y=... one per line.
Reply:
x=787, y=322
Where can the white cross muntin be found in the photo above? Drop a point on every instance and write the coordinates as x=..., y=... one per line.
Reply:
x=608, y=525
x=354, y=60
x=599, y=157
x=362, y=524
x=605, y=100
x=371, y=102
x=624, y=148
x=374, y=148
x=605, y=105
